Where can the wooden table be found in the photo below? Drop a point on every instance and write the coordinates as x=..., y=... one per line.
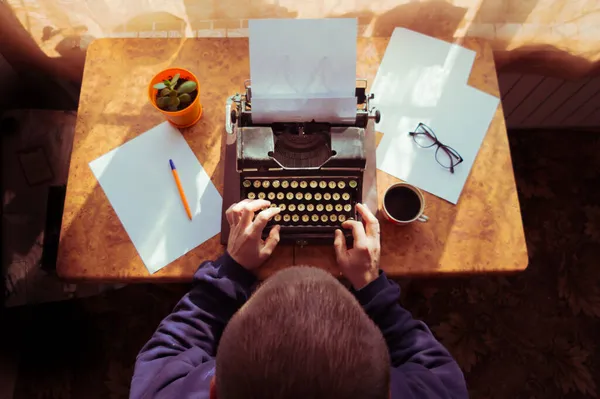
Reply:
x=482, y=234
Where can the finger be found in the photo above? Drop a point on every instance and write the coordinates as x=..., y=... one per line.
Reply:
x=371, y=222
x=249, y=209
x=358, y=231
x=230, y=212
x=262, y=219
x=271, y=242
x=339, y=244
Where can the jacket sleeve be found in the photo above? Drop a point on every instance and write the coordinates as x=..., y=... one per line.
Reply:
x=421, y=366
x=189, y=336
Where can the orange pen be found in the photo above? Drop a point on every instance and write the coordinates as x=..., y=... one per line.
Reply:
x=180, y=188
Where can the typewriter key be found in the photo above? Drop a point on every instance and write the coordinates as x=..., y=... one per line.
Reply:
x=327, y=196
x=320, y=207
x=347, y=208
x=277, y=218
x=272, y=206
x=286, y=218
x=285, y=184
x=353, y=184
x=333, y=218
x=247, y=183
x=271, y=195
x=336, y=196
x=280, y=196
x=266, y=183
x=315, y=218
x=313, y=184
x=339, y=207
x=332, y=184
x=308, y=196
x=318, y=196
x=323, y=184
x=303, y=184
x=295, y=218
x=256, y=183
x=291, y=207
x=301, y=207
x=282, y=207
x=345, y=196
x=251, y=195
x=289, y=196
x=310, y=207
x=262, y=195
x=342, y=218
x=341, y=184
x=299, y=196
x=275, y=184
x=305, y=218
x=294, y=184
x=329, y=207
x=324, y=218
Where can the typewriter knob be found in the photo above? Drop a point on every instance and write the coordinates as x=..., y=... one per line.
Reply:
x=377, y=116
x=233, y=116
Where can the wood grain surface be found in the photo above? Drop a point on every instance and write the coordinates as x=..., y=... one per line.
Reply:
x=483, y=233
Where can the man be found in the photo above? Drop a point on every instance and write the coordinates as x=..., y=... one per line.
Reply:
x=301, y=334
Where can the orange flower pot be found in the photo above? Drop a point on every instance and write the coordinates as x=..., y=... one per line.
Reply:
x=187, y=116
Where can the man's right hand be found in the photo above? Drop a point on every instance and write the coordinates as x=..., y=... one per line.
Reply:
x=360, y=265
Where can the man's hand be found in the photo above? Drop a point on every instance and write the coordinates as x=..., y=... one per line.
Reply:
x=245, y=244
x=360, y=265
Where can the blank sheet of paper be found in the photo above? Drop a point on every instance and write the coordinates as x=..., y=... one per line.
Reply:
x=422, y=79
x=294, y=62
x=137, y=179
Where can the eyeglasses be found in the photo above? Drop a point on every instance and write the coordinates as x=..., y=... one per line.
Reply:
x=426, y=138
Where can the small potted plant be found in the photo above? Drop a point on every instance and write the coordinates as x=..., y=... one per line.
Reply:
x=175, y=93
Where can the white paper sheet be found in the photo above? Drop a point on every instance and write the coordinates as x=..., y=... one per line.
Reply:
x=422, y=79
x=303, y=59
x=137, y=179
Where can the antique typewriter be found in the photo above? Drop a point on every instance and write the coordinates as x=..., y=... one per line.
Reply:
x=315, y=171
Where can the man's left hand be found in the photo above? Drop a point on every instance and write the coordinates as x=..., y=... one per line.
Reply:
x=245, y=244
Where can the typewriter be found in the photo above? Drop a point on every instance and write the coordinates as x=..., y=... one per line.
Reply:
x=315, y=171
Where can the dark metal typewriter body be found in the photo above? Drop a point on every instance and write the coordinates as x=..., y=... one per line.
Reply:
x=314, y=171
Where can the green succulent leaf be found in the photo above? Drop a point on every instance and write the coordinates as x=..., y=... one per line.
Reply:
x=162, y=102
x=174, y=80
x=165, y=92
x=174, y=101
x=185, y=98
x=167, y=82
x=173, y=94
x=159, y=86
x=187, y=87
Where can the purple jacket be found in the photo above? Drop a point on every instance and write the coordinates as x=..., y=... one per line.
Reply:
x=179, y=359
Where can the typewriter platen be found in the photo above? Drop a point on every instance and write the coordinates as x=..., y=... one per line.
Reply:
x=315, y=171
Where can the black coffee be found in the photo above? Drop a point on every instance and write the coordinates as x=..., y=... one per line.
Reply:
x=402, y=203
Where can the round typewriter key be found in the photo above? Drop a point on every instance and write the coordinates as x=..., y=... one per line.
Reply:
x=320, y=207
x=323, y=184
x=347, y=208
x=310, y=207
x=303, y=184
x=324, y=218
x=308, y=196
x=329, y=207
x=256, y=183
x=353, y=184
x=294, y=184
x=301, y=207
x=251, y=195
x=262, y=195
x=333, y=218
x=285, y=184
x=289, y=196
x=315, y=218
x=299, y=196
x=291, y=207
x=336, y=196
x=271, y=196
x=286, y=218
x=339, y=207
x=266, y=183
x=345, y=196
x=342, y=218
x=275, y=184
x=332, y=184
x=295, y=218
x=272, y=206
x=318, y=196
x=341, y=184
x=326, y=196
x=280, y=196
x=247, y=183
x=282, y=207
x=305, y=218
x=277, y=218
x=313, y=184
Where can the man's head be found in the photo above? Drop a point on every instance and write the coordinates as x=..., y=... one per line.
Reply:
x=302, y=335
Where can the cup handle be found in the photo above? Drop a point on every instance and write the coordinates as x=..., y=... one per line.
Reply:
x=423, y=218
